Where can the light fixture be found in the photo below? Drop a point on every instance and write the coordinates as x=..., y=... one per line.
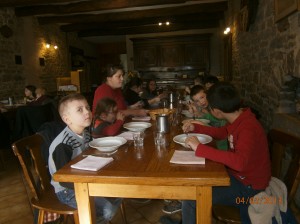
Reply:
x=167, y=23
x=47, y=45
x=55, y=47
x=227, y=30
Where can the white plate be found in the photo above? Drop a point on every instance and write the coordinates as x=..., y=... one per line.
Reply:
x=107, y=144
x=180, y=139
x=137, y=126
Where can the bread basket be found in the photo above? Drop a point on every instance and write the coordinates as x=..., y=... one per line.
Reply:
x=160, y=111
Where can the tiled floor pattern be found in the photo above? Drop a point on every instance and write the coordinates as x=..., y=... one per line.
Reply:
x=15, y=207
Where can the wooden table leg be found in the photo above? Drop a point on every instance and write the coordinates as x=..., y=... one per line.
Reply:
x=204, y=205
x=84, y=204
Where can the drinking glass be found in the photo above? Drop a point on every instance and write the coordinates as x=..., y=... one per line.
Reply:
x=138, y=139
x=159, y=140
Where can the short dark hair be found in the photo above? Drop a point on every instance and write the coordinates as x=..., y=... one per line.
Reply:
x=32, y=89
x=103, y=106
x=211, y=79
x=135, y=81
x=196, y=89
x=224, y=96
x=62, y=105
x=112, y=69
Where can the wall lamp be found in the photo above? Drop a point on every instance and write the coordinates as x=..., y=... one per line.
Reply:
x=48, y=46
x=227, y=30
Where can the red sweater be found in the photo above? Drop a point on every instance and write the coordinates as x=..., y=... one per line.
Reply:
x=104, y=128
x=248, y=158
x=105, y=90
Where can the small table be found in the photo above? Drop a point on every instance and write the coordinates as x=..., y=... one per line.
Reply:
x=146, y=173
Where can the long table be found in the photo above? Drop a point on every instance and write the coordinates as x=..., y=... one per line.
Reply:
x=146, y=173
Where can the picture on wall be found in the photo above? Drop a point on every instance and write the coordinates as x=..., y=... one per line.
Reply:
x=284, y=8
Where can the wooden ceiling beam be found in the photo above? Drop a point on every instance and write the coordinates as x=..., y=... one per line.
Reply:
x=90, y=6
x=137, y=14
x=20, y=3
x=191, y=18
x=147, y=29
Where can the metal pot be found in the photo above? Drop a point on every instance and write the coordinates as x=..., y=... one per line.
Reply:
x=162, y=123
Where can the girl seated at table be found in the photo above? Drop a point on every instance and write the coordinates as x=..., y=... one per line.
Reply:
x=107, y=120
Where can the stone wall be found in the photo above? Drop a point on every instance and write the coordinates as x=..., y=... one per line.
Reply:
x=28, y=43
x=265, y=60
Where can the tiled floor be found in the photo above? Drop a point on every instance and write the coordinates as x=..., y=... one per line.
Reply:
x=15, y=207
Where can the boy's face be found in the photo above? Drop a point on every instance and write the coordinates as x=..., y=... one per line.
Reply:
x=78, y=115
x=111, y=115
x=200, y=99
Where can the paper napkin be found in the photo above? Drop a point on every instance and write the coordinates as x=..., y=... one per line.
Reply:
x=186, y=157
x=92, y=163
x=128, y=135
x=147, y=118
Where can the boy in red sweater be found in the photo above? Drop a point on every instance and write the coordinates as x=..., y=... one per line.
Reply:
x=247, y=159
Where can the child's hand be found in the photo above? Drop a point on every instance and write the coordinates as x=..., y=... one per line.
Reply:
x=141, y=112
x=193, y=121
x=192, y=142
x=120, y=116
x=188, y=127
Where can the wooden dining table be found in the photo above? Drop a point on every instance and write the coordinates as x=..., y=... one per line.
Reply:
x=146, y=173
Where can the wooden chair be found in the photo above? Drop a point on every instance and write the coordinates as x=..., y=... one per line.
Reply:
x=43, y=196
x=281, y=143
x=28, y=151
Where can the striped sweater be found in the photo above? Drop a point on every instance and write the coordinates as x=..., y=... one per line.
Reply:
x=66, y=146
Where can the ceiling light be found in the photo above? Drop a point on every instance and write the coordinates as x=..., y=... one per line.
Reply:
x=47, y=45
x=167, y=23
x=159, y=23
x=55, y=47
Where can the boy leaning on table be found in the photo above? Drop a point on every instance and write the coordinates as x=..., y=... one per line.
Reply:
x=247, y=159
x=75, y=112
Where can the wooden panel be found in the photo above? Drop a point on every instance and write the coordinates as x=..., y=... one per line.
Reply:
x=181, y=53
x=146, y=57
x=196, y=54
x=171, y=55
x=143, y=191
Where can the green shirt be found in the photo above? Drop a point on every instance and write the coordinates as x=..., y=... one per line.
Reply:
x=215, y=122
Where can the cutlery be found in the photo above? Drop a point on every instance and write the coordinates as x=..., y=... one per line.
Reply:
x=103, y=154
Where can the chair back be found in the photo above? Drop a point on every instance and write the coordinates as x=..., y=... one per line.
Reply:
x=285, y=153
x=28, y=151
x=30, y=118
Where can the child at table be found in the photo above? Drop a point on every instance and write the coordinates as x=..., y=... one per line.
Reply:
x=75, y=112
x=107, y=120
x=247, y=160
x=198, y=95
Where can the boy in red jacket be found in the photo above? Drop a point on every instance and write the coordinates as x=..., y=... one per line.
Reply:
x=247, y=159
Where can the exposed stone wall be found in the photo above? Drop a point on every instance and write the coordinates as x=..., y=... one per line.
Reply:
x=265, y=60
x=28, y=41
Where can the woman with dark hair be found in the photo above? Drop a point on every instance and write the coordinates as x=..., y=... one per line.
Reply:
x=30, y=93
x=151, y=92
x=132, y=94
x=111, y=88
